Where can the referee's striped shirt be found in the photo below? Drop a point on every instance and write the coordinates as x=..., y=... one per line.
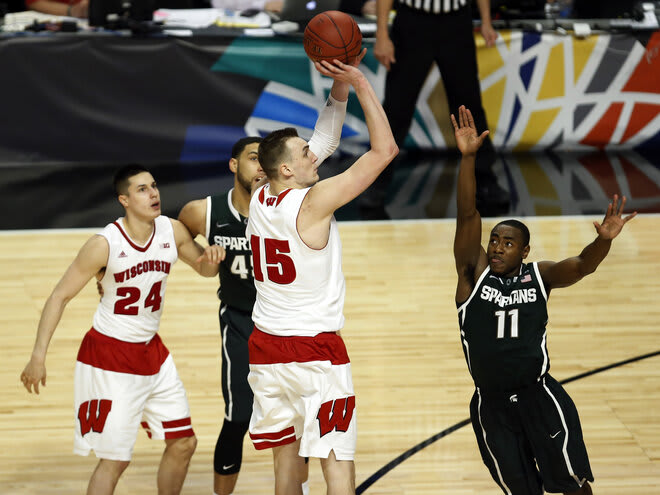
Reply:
x=434, y=6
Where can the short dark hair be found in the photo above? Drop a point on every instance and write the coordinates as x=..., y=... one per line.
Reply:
x=122, y=176
x=516, y=224
x=273, y=149
x=242, y=143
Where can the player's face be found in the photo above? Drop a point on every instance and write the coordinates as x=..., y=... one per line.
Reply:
x=506, y=250
x=143, y=197
x=248, y=169
x=303, y=163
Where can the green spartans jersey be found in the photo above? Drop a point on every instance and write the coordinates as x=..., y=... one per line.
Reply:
x=226, y=227
x=503, y=330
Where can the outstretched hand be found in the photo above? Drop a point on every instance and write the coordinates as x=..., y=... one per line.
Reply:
x=467, y=139
x=340, y=71
x=613, y=222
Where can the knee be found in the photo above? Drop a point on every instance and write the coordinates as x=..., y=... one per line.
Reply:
x=113, y=468
x=183, y=448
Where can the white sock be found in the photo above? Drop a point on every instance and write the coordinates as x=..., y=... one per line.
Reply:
x=305, y=487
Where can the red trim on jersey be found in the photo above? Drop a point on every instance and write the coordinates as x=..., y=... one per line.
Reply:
x=177, y=423
x=269, y=445
x=263, y=441
x=281, y=196
x=273, y=436
x=265, y=348
x=136, y=358
x=262, y=194
x=145, y=425
x=133, y=245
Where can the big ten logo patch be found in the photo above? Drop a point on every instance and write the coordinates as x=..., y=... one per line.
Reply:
x=92, y=415
x=336, y=415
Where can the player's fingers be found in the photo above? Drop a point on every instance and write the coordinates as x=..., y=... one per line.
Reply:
x=453, y=121
x=24, y=381
x=630, y=217
x=469, y=118
x=360, y=56
x=622, y=205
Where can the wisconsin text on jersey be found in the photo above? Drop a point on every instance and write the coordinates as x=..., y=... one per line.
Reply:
x=517, y=296
x=144, y=267
x=231, y=243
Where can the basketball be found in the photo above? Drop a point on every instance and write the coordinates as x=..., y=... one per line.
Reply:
x=332, y=35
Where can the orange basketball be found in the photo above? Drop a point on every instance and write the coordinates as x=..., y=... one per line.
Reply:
x=332, y=35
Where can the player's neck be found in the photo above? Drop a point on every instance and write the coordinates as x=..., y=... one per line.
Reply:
x=240, y=199
x=139, y=230
x=276, y=187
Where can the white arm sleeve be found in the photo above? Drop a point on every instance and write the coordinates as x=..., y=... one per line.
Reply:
x=327, y=130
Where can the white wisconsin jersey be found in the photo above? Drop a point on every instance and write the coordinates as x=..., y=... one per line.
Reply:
x=300, y=290
x=134, y=282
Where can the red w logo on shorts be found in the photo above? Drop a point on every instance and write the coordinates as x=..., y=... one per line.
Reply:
x=92, y=415
x=342, y=412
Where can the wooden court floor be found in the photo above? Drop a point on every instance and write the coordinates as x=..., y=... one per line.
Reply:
x=410, y=376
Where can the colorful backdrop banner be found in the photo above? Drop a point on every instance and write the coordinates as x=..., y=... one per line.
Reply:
x=109, y=99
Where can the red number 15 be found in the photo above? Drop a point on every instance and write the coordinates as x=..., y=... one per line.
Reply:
x=279, y=267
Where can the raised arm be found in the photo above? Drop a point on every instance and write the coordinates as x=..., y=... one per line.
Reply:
x=570, y=270
x=469, y=255
x=328, y=195
x=91, y=259
x=327, y=131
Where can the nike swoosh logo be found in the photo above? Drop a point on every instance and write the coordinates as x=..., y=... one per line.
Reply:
x=220, y=225
x=553, y=436
x=228, y=467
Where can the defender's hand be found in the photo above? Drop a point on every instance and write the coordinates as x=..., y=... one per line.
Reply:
x=613, y=222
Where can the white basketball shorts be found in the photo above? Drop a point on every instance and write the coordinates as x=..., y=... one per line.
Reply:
x=303, y=389
x=119, y=386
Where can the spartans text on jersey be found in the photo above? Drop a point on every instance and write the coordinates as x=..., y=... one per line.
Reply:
x=517, y=296
x=231, y=243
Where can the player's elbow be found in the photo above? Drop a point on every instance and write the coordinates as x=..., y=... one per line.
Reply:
x=389, y=152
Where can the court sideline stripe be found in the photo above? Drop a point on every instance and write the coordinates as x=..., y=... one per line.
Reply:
x=412, y=451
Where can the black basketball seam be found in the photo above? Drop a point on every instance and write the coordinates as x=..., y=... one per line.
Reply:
x=340, y=35
x=313, y=37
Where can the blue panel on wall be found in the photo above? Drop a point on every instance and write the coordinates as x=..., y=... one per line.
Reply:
x=529, y=40
x=514, y=118
x=206, y=143
x=526, y=71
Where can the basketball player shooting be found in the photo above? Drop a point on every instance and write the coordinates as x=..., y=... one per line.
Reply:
x=304, y=402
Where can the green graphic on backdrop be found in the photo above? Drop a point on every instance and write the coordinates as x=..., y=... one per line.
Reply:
x=282, y=60
x=275, y=59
